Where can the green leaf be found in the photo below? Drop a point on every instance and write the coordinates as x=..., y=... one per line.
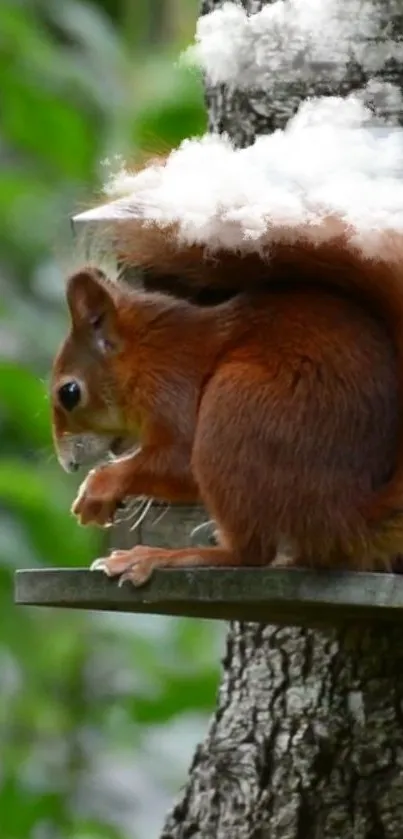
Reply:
x=24, y=402
x=60, y=136
x=43, y=507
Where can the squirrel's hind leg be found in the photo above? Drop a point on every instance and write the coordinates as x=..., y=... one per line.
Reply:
x=138, y=563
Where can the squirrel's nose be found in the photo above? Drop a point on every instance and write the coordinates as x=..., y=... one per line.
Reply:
x=67, y=462
x=69, y=395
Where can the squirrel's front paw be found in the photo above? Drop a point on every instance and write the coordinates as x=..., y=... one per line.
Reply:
x=99, y=497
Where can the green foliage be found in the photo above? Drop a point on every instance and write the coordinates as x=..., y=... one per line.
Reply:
x=87, y=701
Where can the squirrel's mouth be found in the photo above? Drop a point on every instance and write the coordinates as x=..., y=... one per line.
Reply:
x=121, y=445
x=89, y=450
x=117, y=446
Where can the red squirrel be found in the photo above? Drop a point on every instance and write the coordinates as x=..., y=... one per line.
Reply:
x=279, y=408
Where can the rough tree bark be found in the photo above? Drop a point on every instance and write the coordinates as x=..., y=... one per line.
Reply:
x=307, y=738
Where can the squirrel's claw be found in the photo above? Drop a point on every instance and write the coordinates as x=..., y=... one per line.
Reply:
x=100, y=565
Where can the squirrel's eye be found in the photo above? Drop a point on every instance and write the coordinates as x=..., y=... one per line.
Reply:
x=69, y=395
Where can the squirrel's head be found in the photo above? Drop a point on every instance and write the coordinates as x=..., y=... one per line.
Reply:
x=88, y=416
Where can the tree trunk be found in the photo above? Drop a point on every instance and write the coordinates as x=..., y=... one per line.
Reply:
x=307, y=738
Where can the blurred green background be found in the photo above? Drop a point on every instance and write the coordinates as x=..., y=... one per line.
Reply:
x=99, y=714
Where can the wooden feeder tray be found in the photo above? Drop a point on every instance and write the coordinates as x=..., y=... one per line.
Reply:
x=276, y=596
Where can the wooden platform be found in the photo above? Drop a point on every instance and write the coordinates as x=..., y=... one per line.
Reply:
x=283, y=597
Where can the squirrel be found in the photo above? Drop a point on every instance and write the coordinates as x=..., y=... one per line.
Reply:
x=278, y=406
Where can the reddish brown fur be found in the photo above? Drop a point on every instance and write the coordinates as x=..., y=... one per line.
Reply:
x=280, y=408
x=325, y=255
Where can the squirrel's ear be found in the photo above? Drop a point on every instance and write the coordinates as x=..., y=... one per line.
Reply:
x=88, y=296
x=93, y=306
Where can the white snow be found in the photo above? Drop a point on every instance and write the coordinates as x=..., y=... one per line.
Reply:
x=291, y=39
x=332, y=159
